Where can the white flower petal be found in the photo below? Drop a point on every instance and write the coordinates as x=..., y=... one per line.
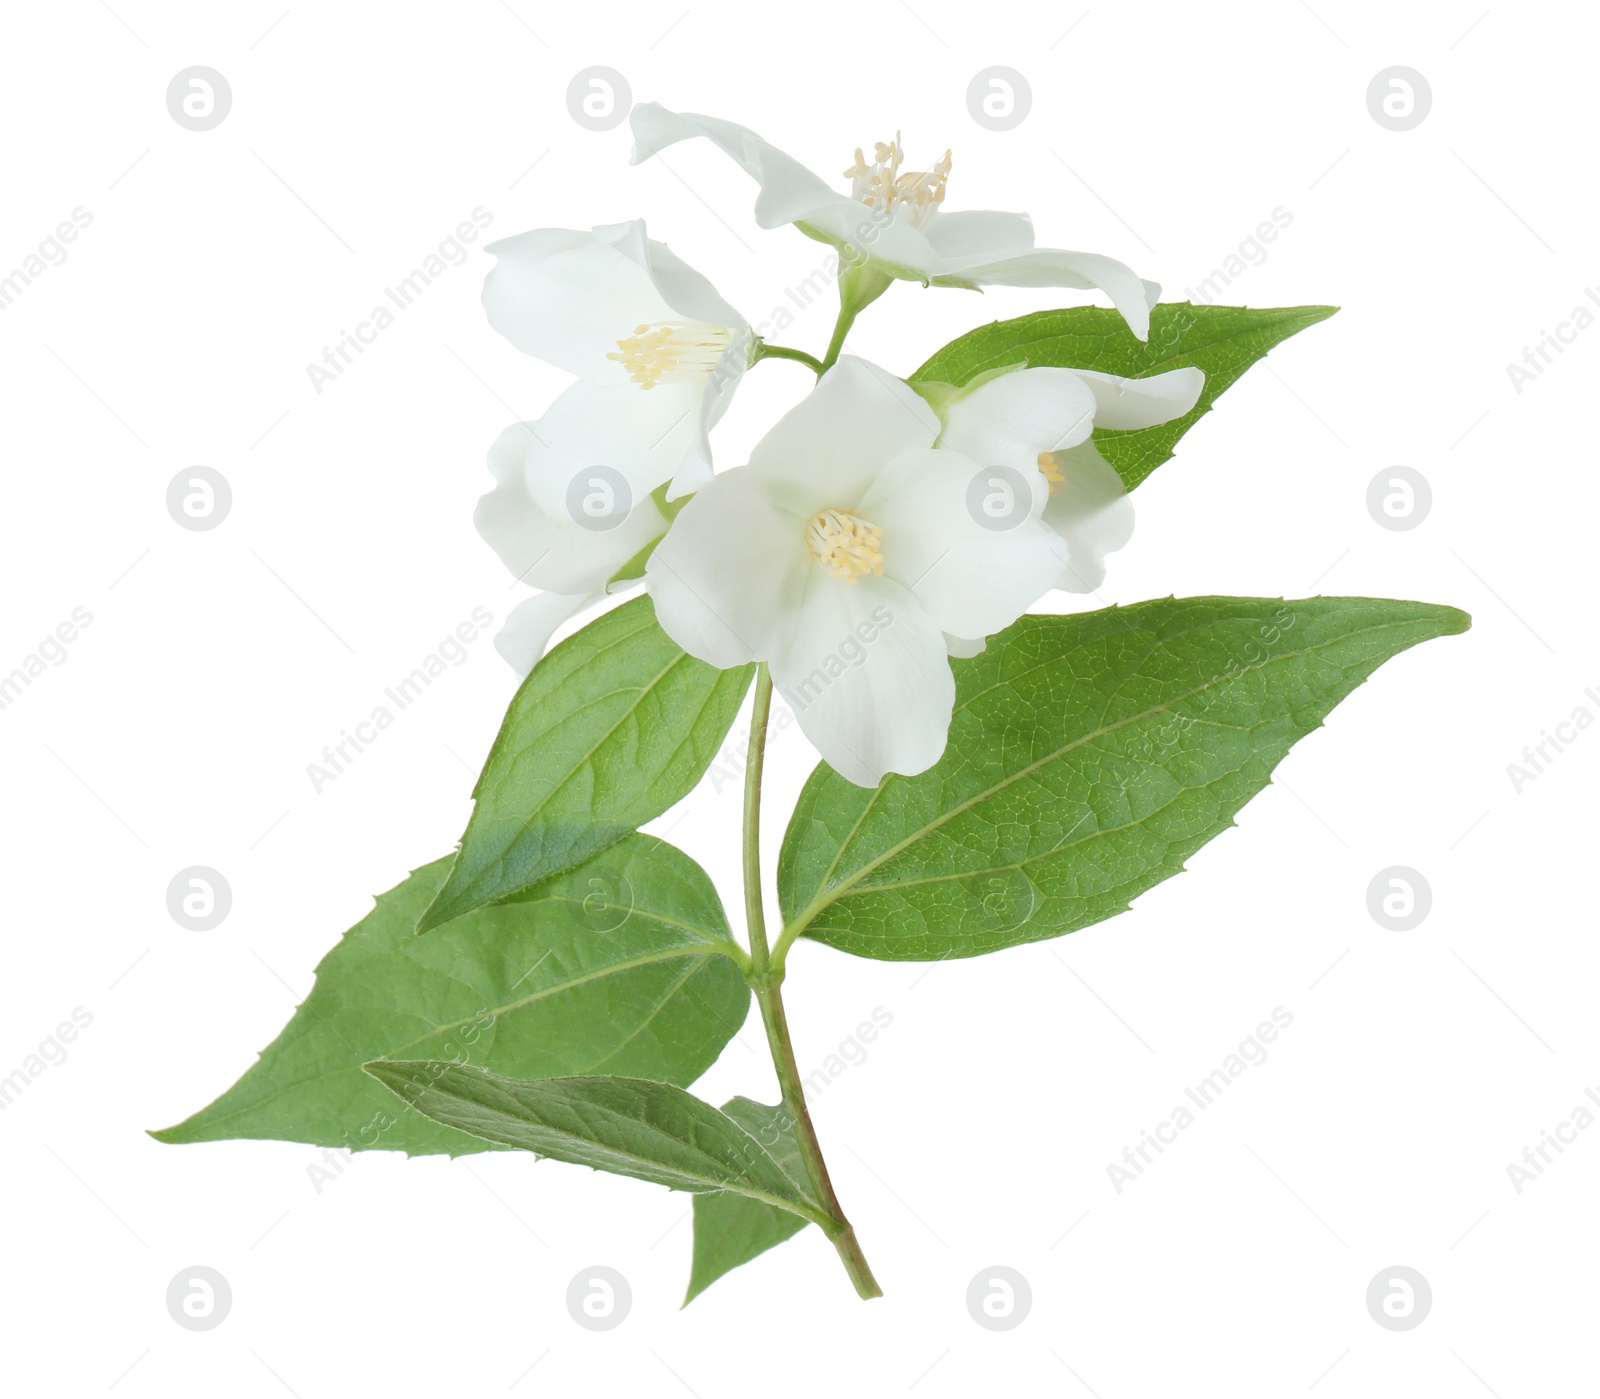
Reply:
x=552, y=550
x=1090, y=510
x=1054, y=267
x=965, y=648
x=891, y=242
x=1135, y=403
x=688, y=293
x=728, y=578
x=567, y=297
x=827, y=449
x=971, y=579
x=968, y=237
x=789, y=192
x=647, y=436
x=867, y=677
x=525, y=637
x=1009, y=420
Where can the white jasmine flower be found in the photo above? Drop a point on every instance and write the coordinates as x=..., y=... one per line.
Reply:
x=648, y=337
x=843, y=555
x=896, y=221
x=1040, y=420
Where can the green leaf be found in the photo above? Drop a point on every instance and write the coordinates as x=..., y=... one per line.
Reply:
x=1224, y=341
x=625, y=965
x=628, y=1126
x=731, y=1229
x=1089, y=757
x=609, y=730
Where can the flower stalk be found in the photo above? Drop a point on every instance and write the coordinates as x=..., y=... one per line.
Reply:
x=766, y=351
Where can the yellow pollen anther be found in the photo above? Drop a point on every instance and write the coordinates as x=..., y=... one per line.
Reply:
x=845, y=545
x=1050, y=469
x=880, y=183
x=670, y=351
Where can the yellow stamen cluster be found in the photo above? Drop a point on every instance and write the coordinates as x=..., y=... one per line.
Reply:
x=881, y=184
x=845, y=545
x=670, y=351
x=1050, y=469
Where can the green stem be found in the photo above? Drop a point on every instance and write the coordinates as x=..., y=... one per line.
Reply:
x=841, y=328
x=860, y=284
x=766, y=351
x=843, y=1235
x=765, y=979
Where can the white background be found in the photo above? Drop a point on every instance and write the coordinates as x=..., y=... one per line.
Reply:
x=979, y=1128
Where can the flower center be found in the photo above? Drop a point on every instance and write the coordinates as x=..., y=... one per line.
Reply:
x=845, y=545
x=668, y=352
x=1050, y=469
x=881, y=185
